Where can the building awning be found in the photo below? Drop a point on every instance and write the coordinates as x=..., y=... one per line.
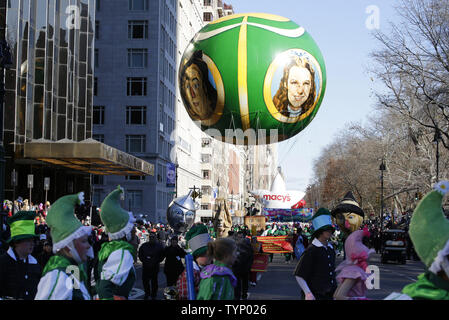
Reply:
x=89, y=156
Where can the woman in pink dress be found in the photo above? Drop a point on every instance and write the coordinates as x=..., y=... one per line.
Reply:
x=352, y=271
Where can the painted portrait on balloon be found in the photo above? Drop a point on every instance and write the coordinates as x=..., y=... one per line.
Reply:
x=198, y=93
x=297, y=89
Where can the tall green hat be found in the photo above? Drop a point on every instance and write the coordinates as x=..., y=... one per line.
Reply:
x=22, y=225
x=64, y=226
x=197, y=238
x=322, y=221
x=118, y=222
x=429, y=228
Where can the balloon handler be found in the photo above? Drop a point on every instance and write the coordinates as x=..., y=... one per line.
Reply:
x=114, y=271
x=429, y=232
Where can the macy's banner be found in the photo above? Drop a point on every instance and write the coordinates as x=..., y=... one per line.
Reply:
x=276, y=244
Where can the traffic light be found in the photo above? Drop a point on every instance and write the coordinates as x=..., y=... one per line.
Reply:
x=416, y=196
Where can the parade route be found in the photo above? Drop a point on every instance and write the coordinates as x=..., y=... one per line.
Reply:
x=278, y=283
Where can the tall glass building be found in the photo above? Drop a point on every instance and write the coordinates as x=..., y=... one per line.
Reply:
x=48, y=102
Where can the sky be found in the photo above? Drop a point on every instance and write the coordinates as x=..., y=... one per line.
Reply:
x=343, y=31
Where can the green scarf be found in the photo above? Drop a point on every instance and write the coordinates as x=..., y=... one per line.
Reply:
x=428, y=287
x=108, y=247
x=61, y=263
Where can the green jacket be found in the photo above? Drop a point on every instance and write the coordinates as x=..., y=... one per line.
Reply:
x=58, y=272
x=217, y=283
x=115, y=275
x=428, y=287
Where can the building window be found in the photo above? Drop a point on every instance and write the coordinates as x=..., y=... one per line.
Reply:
x=96, y=58
x=206, y=190
x=206, y=175
x=137, y=29
x=135, y=178
x=98, y=137
x=95, y=86
x=98, y=115
x=138, y=5
x=205, y=158
x=137, y=86
x=136, y=115
x=207, y=3
x=135, y=143
x=207, y=16
x=205, y=143
x=137, y=58
x=97, y=179
x=97, y=30
x=97, y=197
x=135, y=198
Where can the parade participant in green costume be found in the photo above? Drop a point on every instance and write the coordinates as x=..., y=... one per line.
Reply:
x=64, y=276
x=115, y=274
x=429, y=232
x=197, y=239
x=19, y=270
x=217, y=280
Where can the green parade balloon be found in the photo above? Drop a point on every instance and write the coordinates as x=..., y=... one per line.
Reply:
x=252, y=78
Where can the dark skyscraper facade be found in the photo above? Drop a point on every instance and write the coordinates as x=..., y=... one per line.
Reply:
x=48, y=102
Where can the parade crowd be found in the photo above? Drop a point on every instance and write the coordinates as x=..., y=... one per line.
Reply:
x=41, y=246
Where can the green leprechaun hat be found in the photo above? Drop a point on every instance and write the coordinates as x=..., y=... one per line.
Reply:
x=22, y=226
x=64, y=226
x=197, y=239
x=429, y=228
x=118, y=222
x=321, y=220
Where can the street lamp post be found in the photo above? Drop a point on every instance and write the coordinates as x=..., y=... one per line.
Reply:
x=436, y=140
x=382, y=169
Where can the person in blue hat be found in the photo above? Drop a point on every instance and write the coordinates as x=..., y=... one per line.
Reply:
x=315, y=271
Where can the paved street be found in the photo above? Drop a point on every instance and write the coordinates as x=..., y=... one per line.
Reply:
x=278, y=283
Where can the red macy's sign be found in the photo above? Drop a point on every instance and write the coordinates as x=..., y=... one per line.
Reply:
x=277, y=197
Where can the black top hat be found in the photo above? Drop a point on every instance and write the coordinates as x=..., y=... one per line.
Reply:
x=348, y=204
